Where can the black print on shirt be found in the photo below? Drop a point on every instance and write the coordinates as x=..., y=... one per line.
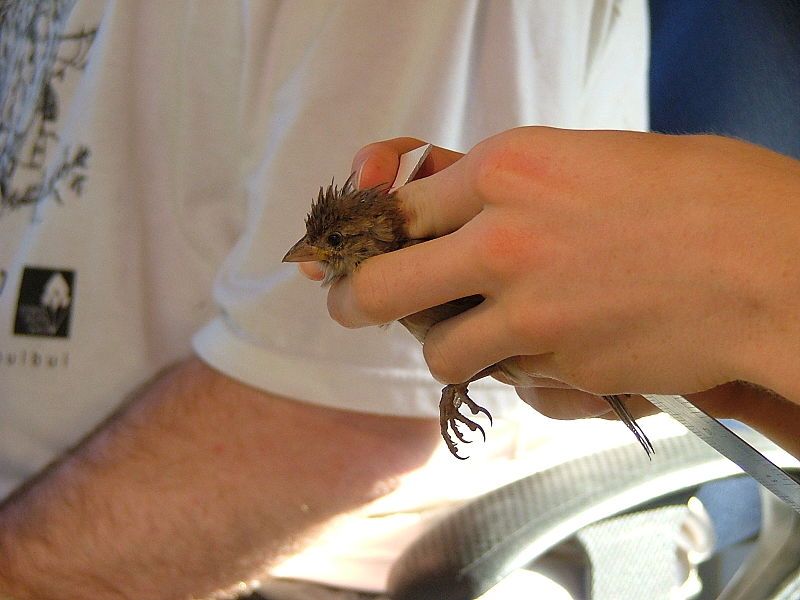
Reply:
x=45, y=302
x=36, y=54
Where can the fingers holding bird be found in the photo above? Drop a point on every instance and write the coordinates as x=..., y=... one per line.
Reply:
x=391, y=286
x=459, y=347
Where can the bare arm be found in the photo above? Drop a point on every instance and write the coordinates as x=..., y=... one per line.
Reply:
x=199, y=483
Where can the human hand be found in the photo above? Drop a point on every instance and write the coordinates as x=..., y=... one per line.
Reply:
x=377, y=163
x=611, y=261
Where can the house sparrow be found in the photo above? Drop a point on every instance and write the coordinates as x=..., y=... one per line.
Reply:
x=347, y=226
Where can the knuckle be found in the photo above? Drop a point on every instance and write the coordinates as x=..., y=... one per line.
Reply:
x=516, y=161
x=487, y=167
x=504, y=250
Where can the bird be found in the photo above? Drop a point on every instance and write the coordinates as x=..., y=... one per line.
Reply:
x=347, y=225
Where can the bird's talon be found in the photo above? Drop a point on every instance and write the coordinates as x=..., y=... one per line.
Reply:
x=483, y=433
x=477, y=409
x=453, y=426
x=472, y=425
x=451, y=445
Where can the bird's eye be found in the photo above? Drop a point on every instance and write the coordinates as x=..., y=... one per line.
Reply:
x=335, y=239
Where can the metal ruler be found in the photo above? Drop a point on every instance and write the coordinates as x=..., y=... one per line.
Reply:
x=731, y=446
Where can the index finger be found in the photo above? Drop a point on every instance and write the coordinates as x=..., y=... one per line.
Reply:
x=441, y=203
x=390, y=286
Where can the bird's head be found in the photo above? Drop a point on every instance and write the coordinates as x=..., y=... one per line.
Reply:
x=347, y=226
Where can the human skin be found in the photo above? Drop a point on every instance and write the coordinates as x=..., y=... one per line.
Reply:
x=198, y=483
x=611, y=262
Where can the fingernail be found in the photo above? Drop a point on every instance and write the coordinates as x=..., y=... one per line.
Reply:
x=360, y=172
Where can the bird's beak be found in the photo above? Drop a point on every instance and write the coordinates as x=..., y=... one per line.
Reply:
x=302, y=251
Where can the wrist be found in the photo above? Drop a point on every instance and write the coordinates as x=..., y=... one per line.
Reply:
x=768, y=352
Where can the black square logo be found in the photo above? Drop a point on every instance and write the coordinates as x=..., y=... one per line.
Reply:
x=45, y=302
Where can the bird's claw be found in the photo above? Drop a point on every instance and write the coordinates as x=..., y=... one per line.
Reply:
x=457, y=432
x=476, y=410
x=453, y=396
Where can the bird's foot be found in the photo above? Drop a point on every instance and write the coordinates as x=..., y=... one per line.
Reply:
x=453, y=396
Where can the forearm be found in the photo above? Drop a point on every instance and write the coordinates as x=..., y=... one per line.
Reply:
x=781, y=427
x=765, y=411
x=772, y=415
x=200, y=483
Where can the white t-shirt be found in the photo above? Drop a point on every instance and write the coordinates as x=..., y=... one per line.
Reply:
x=142, y=143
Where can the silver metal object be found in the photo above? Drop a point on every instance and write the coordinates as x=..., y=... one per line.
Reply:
x=731, y=446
